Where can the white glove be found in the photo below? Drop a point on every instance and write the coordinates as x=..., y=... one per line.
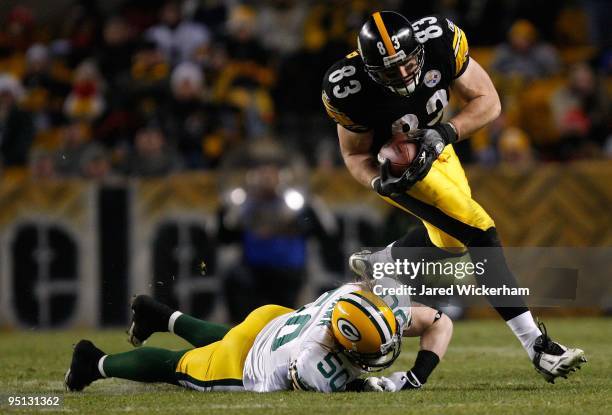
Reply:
x=405, y=380
x=381, y=384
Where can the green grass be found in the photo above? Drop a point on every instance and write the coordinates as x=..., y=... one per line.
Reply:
x=485, y=372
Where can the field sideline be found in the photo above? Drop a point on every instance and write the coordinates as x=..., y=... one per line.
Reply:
x=484, y=372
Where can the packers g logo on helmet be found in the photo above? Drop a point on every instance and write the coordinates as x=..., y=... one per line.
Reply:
x=366, y=328
x=348, y=330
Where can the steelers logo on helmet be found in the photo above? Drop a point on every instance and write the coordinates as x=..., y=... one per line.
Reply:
x=366, y=329
x=348, y=330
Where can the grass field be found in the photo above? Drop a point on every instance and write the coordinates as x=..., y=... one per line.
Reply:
x=484, y=372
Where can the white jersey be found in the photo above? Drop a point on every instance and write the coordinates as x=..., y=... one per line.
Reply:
x=303, y=340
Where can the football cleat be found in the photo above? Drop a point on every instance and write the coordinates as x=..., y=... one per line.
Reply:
x=84, y=366
x=553, y=360
x=148, y=316
x=360, y=264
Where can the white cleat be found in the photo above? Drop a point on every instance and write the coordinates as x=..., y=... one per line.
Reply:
x=360, y=264
x=553, y=360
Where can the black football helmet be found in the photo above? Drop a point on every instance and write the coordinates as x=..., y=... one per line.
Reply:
x=392, y=55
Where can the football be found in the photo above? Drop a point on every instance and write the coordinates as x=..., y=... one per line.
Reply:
x=400, y=151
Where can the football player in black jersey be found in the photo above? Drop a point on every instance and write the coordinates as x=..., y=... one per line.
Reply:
x=398, y=82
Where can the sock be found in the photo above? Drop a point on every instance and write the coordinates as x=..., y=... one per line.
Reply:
x=146, y=364
x=198, y=332
x=525, y=329
x=424, y=364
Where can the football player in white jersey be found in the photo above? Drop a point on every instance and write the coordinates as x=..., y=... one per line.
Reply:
x=324, y=346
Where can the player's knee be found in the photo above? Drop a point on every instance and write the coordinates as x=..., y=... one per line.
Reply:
x=488, y=238
x=446, y=323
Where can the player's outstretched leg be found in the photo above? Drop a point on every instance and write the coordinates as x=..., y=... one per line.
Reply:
x=550, y=359
x=150, y=316
x=147, y=364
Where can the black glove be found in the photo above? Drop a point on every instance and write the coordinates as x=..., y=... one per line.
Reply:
x=388, y=185
x=431, y=144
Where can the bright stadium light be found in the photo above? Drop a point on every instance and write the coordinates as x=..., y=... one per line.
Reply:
x=238, y=196
x=294, y=199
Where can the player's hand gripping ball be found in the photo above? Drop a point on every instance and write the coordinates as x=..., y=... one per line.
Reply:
x=400, y=151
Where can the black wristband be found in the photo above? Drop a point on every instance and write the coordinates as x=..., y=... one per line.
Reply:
x=424, y=364
x=447, y=132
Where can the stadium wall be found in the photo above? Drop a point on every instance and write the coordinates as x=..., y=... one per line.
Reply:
x=72, y=252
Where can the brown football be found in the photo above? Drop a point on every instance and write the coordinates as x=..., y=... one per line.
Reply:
x=400, y=152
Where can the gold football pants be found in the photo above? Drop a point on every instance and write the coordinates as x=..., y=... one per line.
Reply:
x=443, y=201
x=219, y=365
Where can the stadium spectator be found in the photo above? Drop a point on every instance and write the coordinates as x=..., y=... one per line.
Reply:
x=524, y=56
x=247, y=76
x=581, y=110
x=151, y=155
x=114, y=55
x=45, y=84
x=42, y=165
x=287, y=19
x=74, y=141
x=148, y=78
x=86, y=99
x=186, y=116
x=178, y=39
x=95, y=163
x=16, y=125
x=272, y=222
x=17, y=33
x=514, y=149
x=200, y=128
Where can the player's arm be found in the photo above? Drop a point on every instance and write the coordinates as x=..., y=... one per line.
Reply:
x=319, y=370
x=476, y=88
x=355, y=149
x=435, y=330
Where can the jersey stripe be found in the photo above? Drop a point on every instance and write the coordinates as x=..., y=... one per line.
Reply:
x=374, y=315
x=340, y=117
x=380, y=25
x=369, y=315
x=460, y=51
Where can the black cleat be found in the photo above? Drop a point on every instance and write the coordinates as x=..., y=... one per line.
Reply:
x=148, y=317
x=84, y=366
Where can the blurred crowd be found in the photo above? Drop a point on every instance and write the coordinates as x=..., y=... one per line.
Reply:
x=152, y=87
